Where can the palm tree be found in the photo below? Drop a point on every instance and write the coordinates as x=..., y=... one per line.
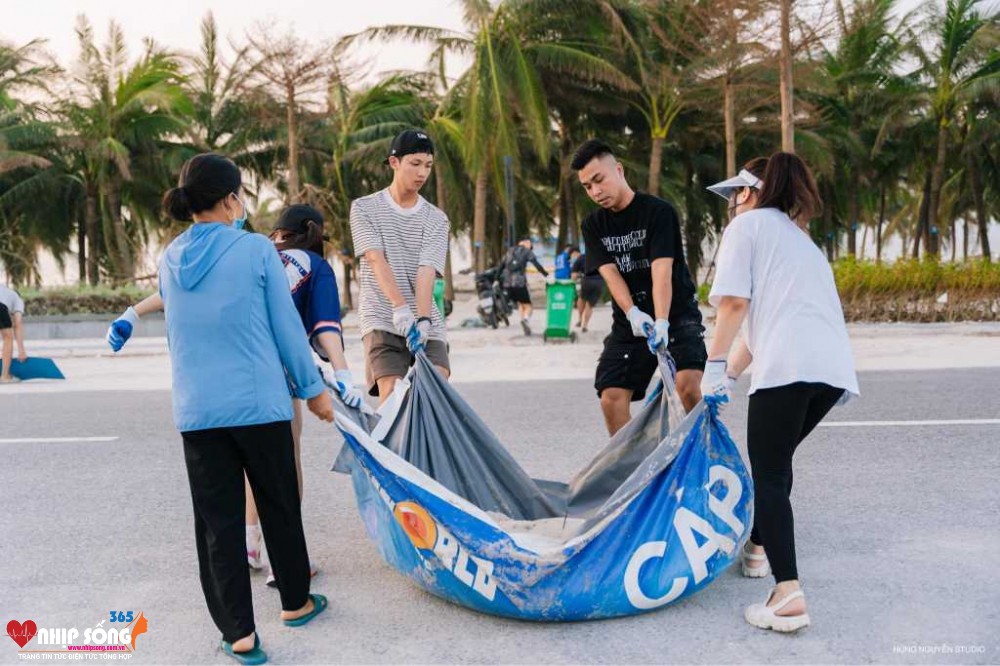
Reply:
x=119, y=115
x=297, y=74
x=501, y=92
x=867, y=100
x=963, y=60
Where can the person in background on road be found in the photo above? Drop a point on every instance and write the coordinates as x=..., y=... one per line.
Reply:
x=771, y=274
x=298, y=236
x=591, y=289
x=515, y=279
x=563, y=264
x=401, y=240
x=11, y=330
x=634, y=241
x=236, y=348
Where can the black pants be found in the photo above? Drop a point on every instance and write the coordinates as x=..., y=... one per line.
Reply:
x=216, y=460
x=779, y=419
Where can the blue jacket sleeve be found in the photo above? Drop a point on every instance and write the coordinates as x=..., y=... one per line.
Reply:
x=289, y=334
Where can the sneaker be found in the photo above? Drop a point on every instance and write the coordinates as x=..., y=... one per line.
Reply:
x=9, y=380
x=255, y=547
x=271, y=582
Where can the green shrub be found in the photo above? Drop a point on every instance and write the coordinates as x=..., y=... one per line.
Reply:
x=82, y=300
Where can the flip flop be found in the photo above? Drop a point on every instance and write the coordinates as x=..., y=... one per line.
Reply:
x=251, y=657
x=319, y=605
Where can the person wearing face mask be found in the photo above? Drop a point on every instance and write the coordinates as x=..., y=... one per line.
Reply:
x=772, y=275
x=298, y=236
x=236, y=348
x=401, y=241
x=634, y=242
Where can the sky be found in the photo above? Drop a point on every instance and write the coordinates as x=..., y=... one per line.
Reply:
x=176, y=23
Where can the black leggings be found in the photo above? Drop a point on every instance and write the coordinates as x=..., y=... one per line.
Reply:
x=779, y=419
x=216, y=459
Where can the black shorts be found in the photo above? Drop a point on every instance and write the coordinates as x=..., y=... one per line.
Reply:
x=591, y=290
x=5, y=320
x=519, y=295
x=627, y=363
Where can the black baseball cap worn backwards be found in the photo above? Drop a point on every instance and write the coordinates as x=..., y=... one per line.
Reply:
x=296, y=217
x=409, y=142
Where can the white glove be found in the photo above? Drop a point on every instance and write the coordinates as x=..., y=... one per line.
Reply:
x=550, y=279
x=660, y=336
x=715, y=381
x=402, y=319
x=343, y=384
x=639, y=321
x=423, y=329
x=845, y=398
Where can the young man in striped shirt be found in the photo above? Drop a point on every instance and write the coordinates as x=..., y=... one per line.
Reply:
x=401, y=240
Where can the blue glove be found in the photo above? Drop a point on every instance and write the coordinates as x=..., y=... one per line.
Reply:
x=121, y=329
x=416, y=337
x=659, y=337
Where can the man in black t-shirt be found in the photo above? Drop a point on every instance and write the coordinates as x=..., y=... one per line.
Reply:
x=634, y=241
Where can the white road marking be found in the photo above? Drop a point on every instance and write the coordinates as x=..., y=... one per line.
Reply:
x=55, y=440
x=895, y=424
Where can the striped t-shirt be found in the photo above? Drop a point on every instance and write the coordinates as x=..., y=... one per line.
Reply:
x=410, y=238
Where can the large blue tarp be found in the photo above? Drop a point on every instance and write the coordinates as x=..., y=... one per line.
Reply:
x=674, y=519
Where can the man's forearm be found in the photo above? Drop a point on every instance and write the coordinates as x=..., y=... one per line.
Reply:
x=617, y=287
x=663, y=289
x=384, y=277
x=425, y=290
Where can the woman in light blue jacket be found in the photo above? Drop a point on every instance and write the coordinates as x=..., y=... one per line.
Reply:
x=236, y=351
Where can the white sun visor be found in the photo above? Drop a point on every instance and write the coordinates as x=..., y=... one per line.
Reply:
x=743, y=179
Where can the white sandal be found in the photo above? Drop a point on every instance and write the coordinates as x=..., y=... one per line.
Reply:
x=764, y=616
x=758, y=571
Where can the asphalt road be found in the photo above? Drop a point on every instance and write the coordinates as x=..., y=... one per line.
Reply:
x=897, y=533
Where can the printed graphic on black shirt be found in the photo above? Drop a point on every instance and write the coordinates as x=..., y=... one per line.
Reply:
x=646, y=230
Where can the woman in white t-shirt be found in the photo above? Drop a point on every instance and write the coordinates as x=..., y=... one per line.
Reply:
x=771, y=275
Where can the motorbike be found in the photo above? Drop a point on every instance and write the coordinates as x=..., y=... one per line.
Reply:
x=494, y=307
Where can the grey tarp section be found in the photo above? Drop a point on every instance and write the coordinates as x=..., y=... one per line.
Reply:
x=437, y=432
x=367, y=421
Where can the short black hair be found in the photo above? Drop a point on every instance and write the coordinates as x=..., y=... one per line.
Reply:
x=587, y=151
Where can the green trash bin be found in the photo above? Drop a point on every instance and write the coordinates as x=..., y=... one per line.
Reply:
x=439, y=296
x=559, y=297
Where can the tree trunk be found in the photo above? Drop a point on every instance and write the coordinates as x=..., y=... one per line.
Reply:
x=345, y=295
x=479, y=221
x=693, y=224
x=828, y=231
x=655, y=165
x=81, y=248
x=785, y=67
x=729, y=112
x=982, y=220
x=123, y=267
x=293, y=146
x=921, y=231
x=93, y=236
x=937, y=181
x=449, y=283
x=965, y=239
x=853, y=211
x=878, y=232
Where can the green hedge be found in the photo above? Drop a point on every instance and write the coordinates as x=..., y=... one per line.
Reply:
x=82, y=300
x=912, y=290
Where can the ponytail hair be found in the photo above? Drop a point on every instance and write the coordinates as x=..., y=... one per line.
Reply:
x=790, y=187
x=205, y=180
x=305, y=224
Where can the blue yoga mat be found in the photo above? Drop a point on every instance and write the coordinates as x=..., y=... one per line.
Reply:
x=36, y=367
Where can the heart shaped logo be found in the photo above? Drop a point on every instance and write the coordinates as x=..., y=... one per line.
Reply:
x=21, y=633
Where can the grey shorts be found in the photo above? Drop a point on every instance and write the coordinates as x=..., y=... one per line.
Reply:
x=387, y=356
